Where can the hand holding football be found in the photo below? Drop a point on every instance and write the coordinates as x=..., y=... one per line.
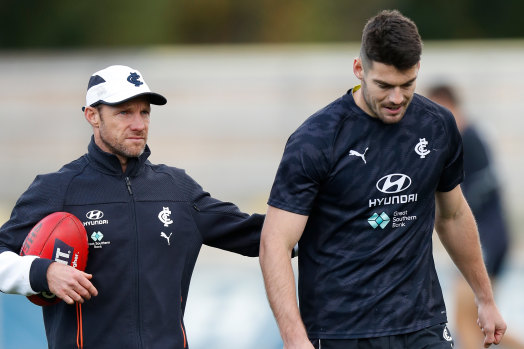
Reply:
x=61, y=237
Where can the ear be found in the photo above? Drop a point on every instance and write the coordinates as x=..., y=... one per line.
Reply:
x=358, y=69
x=92, y=116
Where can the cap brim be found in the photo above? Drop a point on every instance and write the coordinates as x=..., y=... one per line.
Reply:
x=154, y=98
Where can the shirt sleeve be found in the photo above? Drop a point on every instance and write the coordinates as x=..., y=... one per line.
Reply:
x=222, y=225
x=302, y=170
x=453, y=172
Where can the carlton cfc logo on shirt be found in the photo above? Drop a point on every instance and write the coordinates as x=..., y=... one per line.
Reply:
x=420, y=148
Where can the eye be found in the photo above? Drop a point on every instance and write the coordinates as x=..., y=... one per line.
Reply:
x=123, y=114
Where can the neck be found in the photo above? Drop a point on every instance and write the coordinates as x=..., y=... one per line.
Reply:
x=360, y=102
x=121, y=158
x=123, y=162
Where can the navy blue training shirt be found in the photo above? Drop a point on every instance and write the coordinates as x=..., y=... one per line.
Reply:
x=366, y=267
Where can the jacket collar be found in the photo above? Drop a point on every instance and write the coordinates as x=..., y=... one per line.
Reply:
x=109, y=163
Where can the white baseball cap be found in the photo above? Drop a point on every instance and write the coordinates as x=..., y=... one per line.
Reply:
x=117, y=84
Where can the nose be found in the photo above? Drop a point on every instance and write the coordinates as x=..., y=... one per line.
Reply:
x=137, y=122
x=396, y=96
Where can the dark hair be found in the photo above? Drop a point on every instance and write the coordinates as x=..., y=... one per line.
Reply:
x=392, y=39
x=444, y=92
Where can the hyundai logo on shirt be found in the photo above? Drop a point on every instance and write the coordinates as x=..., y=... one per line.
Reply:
x=393, y=183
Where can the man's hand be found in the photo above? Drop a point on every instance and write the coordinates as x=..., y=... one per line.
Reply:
x=70, y=284
x=491, y=323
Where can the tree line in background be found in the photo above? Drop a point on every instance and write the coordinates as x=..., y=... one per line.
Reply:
x=131, y=23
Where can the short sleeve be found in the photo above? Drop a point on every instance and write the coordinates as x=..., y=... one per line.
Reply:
x=453, y=172
x=302, y=170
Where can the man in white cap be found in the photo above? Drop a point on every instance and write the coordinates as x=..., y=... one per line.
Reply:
x=145, y=225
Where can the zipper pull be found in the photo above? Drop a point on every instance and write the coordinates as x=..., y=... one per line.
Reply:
x=128, y=183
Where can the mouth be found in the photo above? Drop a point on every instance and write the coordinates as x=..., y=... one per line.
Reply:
x=394, y=108
x=136, y=139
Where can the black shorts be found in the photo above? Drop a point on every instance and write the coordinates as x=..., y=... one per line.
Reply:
x=434, y=337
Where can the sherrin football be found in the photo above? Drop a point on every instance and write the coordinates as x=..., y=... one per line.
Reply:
x=60, y=237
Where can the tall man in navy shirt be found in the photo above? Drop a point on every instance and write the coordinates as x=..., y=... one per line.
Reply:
x=361, y=186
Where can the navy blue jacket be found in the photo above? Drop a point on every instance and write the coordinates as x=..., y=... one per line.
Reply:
x=145, y=228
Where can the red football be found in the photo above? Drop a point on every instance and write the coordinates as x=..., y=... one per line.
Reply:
x=60, y=237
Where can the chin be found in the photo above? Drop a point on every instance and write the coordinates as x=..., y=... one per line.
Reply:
x=391, y=119
x=132, y=152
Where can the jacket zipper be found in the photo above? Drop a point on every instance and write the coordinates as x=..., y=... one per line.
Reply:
x=130, y=191
x=128, y=184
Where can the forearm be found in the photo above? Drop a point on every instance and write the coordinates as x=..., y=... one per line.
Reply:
x=458, y=232
x=459, y=235
x=281, y=292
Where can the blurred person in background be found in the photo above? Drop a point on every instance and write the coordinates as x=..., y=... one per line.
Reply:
x=483, y=194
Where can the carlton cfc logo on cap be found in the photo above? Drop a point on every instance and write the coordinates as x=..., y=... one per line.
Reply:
x=133, y=78
x=110, y=86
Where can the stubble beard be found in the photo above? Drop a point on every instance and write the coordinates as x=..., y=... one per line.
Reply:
x=119, y=149
x=376, y=112
x=365, y=96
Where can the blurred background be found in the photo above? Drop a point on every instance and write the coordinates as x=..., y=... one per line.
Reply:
x=239, y=77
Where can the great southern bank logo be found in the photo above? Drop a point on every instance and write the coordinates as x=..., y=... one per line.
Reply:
x=97, y=236
x=98, y=240
x=379, y=221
